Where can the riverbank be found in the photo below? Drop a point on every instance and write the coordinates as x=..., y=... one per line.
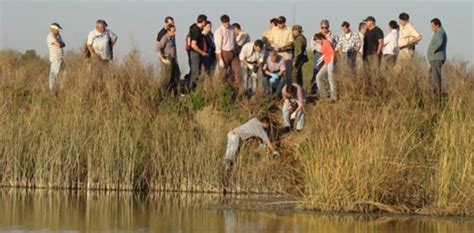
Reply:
x=387, y=145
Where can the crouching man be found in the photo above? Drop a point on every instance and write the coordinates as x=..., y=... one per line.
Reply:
x=253, y=128
x=293, y=108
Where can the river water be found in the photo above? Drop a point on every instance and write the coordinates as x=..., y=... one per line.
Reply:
x=61, y=211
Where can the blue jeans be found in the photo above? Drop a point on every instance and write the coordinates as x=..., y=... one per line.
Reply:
x=195, y=65
x=56, y=68
x=299, y=120
x=274, y=89
x=316, y=69
x=327, y=72
x=249, y=83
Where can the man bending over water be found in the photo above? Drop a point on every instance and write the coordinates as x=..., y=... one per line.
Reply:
x=253, y=128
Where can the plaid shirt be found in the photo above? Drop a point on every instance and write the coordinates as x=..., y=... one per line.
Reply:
x=348, y=42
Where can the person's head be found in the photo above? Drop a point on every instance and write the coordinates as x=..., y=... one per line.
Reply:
x=266, y=122
x=100, y=25
x=289, y=90
x=225, y=21
x=207, y=27
x=404, y=18
x=435, y=24
x=201, y=21
x=169, y=21
x=297, y=30
x=258, y=46
x=273, y=23
x=393, y=25
x=281, y=22
x=319, y=37
x=237, y=28
x=362, y=28
x=274, y=56
x=324, y=26
x=55, y=28
x=171, y=31
x=370, y=22
x=346, y=27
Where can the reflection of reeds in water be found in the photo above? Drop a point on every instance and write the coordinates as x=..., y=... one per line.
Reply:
x=386, y=145
x=172, y=212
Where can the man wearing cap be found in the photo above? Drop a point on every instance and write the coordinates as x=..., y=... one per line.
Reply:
x=408, y=38
x=373, y=40
x=299, y=52
x=56, y=53
x=101, y=41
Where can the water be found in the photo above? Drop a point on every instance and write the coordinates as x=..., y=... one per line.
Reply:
x=60, y=211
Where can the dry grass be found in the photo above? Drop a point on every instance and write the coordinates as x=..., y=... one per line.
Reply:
x=387, y=145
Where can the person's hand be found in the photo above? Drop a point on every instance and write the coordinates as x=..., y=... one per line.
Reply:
x=221, y=63
x=331, y=67
x=274, y=78
x=276, y=154
x=166, y=61
x=253, y=75
x=293, y=115
x=250, y=66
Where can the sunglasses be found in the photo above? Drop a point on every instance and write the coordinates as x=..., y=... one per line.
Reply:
x=324, y=27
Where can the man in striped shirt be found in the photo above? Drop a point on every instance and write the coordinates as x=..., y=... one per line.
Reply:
x=56, y=54
x=226, y=50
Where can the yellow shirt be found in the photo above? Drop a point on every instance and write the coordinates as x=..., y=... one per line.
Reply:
x=280, y=37
x=407, y=33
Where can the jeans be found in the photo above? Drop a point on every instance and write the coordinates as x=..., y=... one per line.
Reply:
x=328, y=71
x=316, y=69
x=350, y=58
x=249, y=83
x=195, y=65
x=174, y=76
x=274, y=89
x=287, y=114
x=435, y=69
x=233, y=142
x=56, y=68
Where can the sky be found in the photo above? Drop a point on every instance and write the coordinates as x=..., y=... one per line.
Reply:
x=24, y=24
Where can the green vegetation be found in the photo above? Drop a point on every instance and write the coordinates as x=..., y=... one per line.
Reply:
x=387, y=145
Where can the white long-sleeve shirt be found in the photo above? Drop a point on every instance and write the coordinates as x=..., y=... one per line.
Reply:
x=390, y=43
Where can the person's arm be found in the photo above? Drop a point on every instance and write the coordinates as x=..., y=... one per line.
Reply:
x=357, y=42
x=113, y=38
x=90, y=40
x=380, y=45
x=161, y=45
x=196, y=48
x=218, y=38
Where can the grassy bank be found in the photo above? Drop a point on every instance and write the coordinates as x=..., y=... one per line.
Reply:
x=386, y=145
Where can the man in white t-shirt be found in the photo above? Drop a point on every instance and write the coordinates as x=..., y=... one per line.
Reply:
x=56, y=53
x=101, y=41
x=254, y=128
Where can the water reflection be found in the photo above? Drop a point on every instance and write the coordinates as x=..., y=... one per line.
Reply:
x=59, y=211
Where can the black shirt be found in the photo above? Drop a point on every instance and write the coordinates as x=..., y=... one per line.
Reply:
x=161, y=33
x=196, y=34
x=371, y=41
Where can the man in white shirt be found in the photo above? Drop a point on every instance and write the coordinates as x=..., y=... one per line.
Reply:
x=101, y=41
x=254, y=128
x=390, y=48
x=251, y=60
x=56, y=53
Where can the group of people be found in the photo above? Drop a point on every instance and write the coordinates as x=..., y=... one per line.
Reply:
x=277, y=58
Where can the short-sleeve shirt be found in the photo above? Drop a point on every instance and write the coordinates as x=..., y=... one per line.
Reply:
x=195, y=33
x=253, y=128
x=277, y=66
x=102, y=43
x=55, y=53
x=168, y=46
x=407, y=34
x=250, y=55
x=371, y=41
x=327, y=51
